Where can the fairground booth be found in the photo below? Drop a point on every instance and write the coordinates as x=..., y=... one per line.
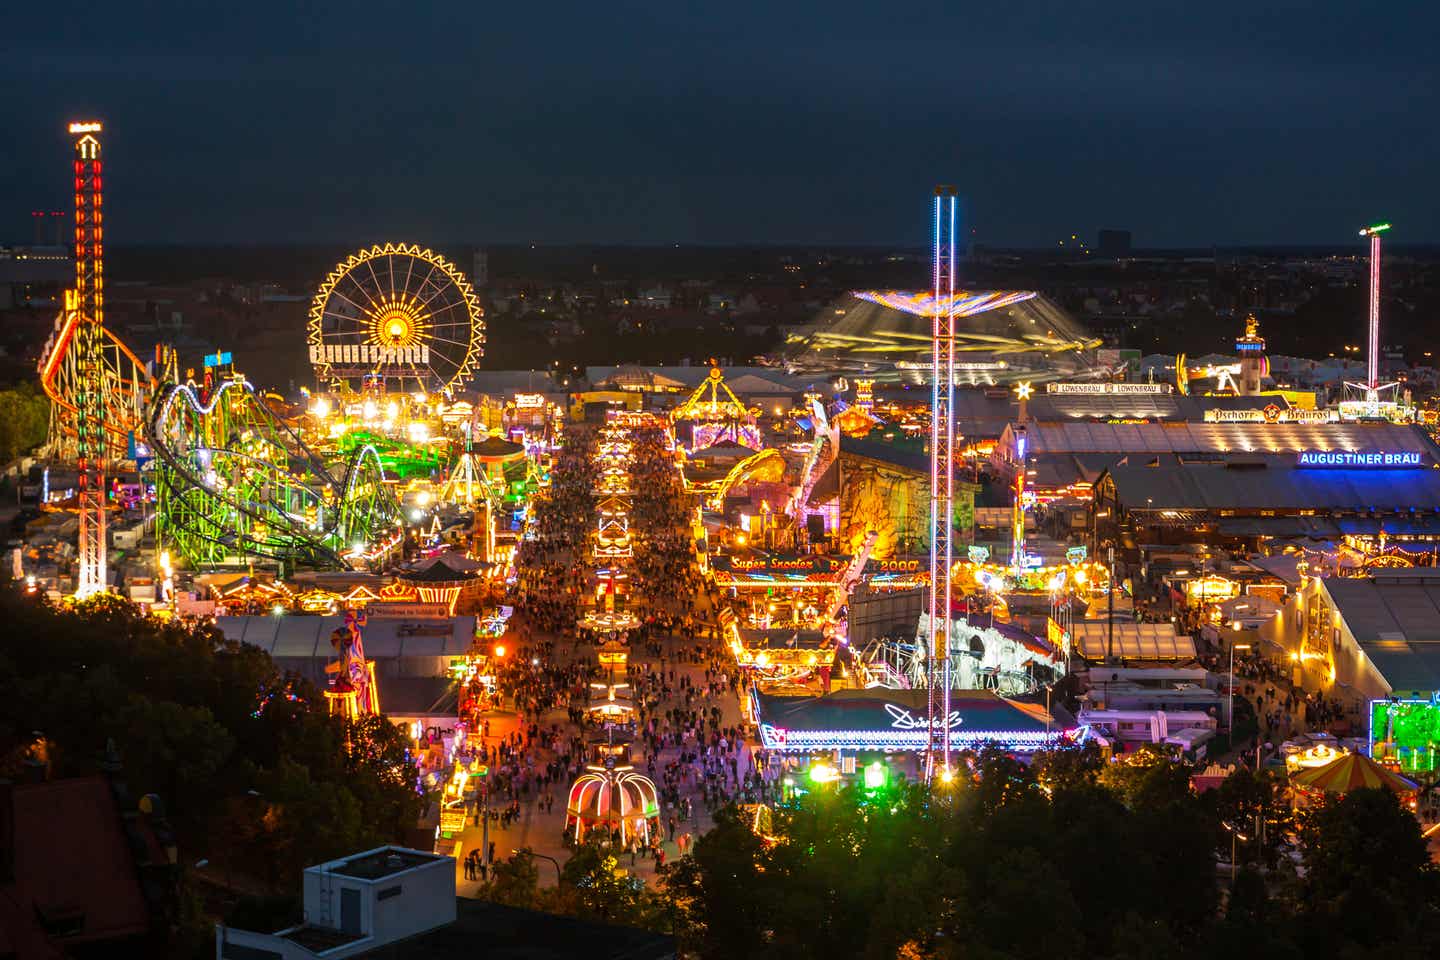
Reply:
x=799, y=590
x=854, y=728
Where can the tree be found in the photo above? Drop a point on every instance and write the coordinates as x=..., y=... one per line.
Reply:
x=1368, y=876
x=597, y=888
x=514, y=882
x=24, y=420
x=722, y=898
x=1254, y=803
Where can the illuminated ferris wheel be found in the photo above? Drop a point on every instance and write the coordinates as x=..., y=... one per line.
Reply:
x=396, y=312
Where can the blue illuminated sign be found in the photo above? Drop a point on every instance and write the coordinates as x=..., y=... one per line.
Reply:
x=1353, y=459
x=217, y=359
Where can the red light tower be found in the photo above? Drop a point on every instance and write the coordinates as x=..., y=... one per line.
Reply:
x=89, y=301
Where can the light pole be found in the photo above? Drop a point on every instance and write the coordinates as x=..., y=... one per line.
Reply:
x=1233, y=648
x=1235, y=834
x=542, y=856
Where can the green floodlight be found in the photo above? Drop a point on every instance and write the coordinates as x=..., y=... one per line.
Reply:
x=823, y=773
x=875, y=776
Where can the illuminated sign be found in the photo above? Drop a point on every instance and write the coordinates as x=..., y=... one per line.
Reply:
x=1109, y=389
x=216, y=359
x=88, y=127
x=1272, y=414
x=979, y=554
x=896, y=565
x=780, y=563
x=902, y=719
x=527, y=400
x=1354, y=459
x=368, y=354
x=1075, y=554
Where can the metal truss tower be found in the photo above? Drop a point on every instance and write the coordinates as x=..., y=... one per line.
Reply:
x=89, y=335
x=1372, y=360
x=942, y=482
x=1372, y=388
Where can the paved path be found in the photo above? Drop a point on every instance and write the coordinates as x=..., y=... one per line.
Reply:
x=541, y=831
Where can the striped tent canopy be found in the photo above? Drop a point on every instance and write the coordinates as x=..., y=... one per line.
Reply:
x=1352, y=771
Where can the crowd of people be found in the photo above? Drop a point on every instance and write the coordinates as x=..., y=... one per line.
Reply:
x=551, y=575
x=678, y=673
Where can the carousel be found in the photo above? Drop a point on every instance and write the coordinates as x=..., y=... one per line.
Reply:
x=611, y=703
x=612, y=798
x=1310, y=784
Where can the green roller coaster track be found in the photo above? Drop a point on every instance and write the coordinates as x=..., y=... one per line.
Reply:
x=400, y=459
x=235, y=484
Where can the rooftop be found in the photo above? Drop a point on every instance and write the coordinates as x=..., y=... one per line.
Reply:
x=384, y=862
x=507, y=933
x=320, y=939
x=1229, y=438
x=1395, y=617
x=75, y=878
x=1271, y=483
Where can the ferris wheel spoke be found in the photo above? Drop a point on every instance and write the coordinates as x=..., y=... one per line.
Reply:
x=360, y=289
x=449, y=307
x=409, y=271
x=415, y=298
x=344, y=317
x=379, y=287
x=337, y=293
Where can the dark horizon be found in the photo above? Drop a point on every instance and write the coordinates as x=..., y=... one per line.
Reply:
x=648, y=125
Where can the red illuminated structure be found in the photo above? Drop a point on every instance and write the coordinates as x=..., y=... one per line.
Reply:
x=89, y=335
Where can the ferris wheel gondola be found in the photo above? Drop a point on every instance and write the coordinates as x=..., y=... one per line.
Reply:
x=397, y=312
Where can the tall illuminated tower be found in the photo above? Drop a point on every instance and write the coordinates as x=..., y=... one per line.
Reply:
x=1253, y=364
x=89, y=302
x=1372, y=360
x=942, y=479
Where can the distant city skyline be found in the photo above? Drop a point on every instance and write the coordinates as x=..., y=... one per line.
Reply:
x=654, y=124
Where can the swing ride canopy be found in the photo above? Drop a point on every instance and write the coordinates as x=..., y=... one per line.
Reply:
x=1352, y=771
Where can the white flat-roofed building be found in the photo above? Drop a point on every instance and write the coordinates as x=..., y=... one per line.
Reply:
x=355, y=906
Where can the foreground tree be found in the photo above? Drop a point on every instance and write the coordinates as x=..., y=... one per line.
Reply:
x=1369, y=881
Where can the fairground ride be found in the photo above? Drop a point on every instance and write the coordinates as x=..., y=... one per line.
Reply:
x=97, y=387
x=397, y=313
x=236, y=484
x=717, y=416
x=124, y=388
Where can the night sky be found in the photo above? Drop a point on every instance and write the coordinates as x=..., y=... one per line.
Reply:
x=781, y=121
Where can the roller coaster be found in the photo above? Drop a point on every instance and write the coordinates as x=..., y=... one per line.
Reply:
x=235, y=483
x=125, y=386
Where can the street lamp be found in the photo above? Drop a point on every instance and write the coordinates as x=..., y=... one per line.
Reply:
x=1235, y=834
x=1233, y=648
x=542, y=856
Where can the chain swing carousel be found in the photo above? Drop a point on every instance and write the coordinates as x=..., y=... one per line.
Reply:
x=612, y=798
